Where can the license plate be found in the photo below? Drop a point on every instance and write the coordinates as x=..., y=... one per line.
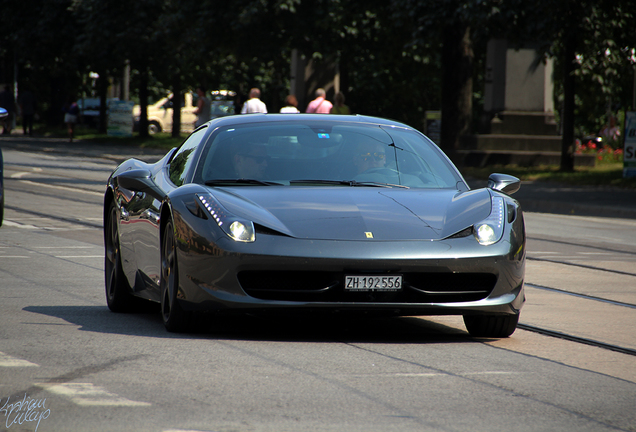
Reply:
x=373, y=283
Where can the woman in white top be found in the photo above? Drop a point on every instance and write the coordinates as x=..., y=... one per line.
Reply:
x=291, y=105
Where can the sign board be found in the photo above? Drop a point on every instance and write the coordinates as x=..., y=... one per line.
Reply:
x=433, y=126
x=629, y=153
x=120, y=118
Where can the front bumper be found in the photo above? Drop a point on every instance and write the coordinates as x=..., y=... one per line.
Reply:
x=448, y=277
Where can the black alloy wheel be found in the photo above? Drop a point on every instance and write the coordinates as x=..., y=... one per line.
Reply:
x=174, y=317
x=118, y=291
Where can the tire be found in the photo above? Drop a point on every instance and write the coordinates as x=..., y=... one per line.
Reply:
x=174, y=317
x=154, y=127
x=491, y=326
x=118, y=291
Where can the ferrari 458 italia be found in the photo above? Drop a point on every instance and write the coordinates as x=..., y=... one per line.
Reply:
x=317, y=214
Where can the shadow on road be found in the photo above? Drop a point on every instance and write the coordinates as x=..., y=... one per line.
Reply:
x=280, y=328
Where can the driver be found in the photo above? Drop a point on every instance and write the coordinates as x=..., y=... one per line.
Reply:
x=369, y=156
x=250, y=161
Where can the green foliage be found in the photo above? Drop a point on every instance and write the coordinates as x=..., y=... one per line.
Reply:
x=388, y=52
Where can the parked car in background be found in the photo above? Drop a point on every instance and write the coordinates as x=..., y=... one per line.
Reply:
x=160, y=113
x=313, y=213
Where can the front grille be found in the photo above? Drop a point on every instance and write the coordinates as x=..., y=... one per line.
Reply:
x=316, y=286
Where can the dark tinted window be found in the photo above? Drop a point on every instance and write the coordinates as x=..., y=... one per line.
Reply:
x=183, y=158
x=288, y=152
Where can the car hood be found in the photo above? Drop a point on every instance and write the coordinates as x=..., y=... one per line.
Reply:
x=357, y=213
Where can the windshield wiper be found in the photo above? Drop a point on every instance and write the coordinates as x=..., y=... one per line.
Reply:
x=240, y=181
x=352, y=183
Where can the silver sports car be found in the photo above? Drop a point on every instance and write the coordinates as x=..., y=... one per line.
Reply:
x=317, y=214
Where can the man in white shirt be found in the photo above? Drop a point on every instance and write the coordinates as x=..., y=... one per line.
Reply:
x=254, y=104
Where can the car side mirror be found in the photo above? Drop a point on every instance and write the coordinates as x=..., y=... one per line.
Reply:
x=504, y=183
x=139, y=180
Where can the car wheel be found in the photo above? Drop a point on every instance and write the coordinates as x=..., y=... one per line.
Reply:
x=118, y=291
x=174, y=317
x=154, y=127
x=491, y=326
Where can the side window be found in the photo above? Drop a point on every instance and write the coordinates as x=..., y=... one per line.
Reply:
x=183, y=159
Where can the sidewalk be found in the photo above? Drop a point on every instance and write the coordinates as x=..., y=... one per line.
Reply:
x=601, y=201
x=116, y=153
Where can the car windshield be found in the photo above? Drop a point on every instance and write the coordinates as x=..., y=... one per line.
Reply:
x=326, y=154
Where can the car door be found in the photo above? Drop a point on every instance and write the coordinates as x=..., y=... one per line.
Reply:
x=145, y=211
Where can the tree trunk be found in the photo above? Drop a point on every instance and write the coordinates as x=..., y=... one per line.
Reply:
x=457, y=86
x=569, y=65
x=102, y=90
x=176, y=106
x=143, y=103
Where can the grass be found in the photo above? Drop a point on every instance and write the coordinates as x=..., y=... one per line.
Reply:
x=160, y=140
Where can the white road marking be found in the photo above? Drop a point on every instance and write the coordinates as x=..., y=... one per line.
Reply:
x=79, y=256
x=64, y=188
x=88, y=394
x=18, y=225
x=436, y=374
x=8, y=361
x=65, y=247
x=184, y=430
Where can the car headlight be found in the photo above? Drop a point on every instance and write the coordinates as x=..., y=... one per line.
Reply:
x=236, y=228
x=490, y=230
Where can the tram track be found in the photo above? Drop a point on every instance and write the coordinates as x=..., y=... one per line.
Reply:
x=577, y=339
x=586, y=266
x=584, y=296
x=573, y=338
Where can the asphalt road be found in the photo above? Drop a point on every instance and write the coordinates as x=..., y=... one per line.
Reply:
x=569, y=367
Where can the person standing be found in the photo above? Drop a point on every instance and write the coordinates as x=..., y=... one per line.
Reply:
x=291, y=105
x=71, y=111
x=254, y=104
x=340, y=107
x=204, y=108
x=7, y=102
x=27, y=107
x=320, y=105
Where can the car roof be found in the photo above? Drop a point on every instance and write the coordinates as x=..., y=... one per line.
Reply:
x=276, y=117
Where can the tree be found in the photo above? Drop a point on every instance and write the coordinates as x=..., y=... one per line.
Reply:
x=452, y=25
x=36, y=42
x=594, y=40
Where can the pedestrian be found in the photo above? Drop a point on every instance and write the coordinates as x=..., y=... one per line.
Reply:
x=291, y=105
x=254, y=104
x=7, y=101
x=611, y=133
x=320, y=105
x=28, y=106
x=71, y=111
x=204, y=108
x=340, y=107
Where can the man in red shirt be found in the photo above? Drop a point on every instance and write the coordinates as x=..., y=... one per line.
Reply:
x=320, y=105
